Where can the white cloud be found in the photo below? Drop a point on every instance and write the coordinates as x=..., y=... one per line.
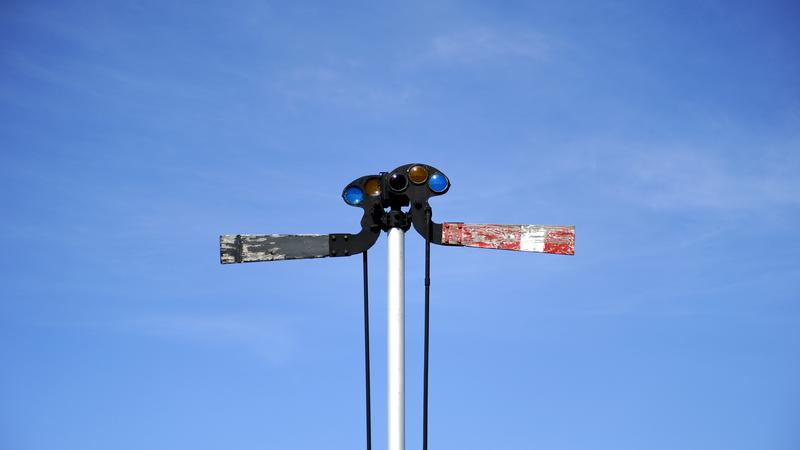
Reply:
x=691, y=175
x=480, y=44
x=346, y=86
x=688, y=179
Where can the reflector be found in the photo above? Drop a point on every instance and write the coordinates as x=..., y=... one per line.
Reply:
x=353, y=195
x=438, y=183
x=373, y=186
x=418, y=174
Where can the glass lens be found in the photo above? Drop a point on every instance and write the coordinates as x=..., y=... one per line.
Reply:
x=438, y=183
x=398, y=181
x=353, y=195
x=417, y=174
x=373, y=186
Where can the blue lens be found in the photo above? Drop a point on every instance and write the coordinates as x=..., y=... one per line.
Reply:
x=438, y=183
x=353, y=195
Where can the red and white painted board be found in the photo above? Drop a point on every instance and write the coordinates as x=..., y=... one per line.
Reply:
x=559, y=240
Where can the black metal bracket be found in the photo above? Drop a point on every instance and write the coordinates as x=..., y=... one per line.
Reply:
x=340, y=244
x=396, y=219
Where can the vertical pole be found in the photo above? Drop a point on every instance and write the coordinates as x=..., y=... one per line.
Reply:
x=368, y=395
x=396, y=340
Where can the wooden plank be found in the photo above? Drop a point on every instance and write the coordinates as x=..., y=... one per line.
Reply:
x=242, y=248
x=559, y=240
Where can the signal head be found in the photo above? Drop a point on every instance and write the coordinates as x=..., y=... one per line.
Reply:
x=407, y=184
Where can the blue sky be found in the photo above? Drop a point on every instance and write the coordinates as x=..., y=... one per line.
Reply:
x=132, y=134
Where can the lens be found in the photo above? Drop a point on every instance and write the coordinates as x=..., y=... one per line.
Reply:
x=353, y=195
x=438, y=183
x=398, y=181
x=373, y=186
x=418, y=174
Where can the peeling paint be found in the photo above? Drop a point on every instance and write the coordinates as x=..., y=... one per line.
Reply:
x=527, y=238
x=243, y=248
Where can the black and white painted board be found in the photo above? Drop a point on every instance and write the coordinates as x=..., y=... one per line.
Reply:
x=242, y=248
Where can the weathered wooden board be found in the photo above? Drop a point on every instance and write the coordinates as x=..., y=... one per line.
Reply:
x=272, y=247
x=558, y=240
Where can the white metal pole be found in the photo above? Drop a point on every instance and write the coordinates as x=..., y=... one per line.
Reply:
x=396, y=340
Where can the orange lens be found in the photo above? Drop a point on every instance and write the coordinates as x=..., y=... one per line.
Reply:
x=373, y=186
x=417, y=174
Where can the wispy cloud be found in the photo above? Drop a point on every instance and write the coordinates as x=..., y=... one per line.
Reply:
x=685, y=176
x=480, y=44
x=687, y=179
x=268, y=337
x=344, y=81
x=343, y=86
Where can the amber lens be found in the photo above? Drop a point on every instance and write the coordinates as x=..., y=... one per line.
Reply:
x=373, y=186
x=417, y=174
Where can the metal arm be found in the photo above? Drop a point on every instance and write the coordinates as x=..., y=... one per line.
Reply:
x=242, y=248
x=555, y=239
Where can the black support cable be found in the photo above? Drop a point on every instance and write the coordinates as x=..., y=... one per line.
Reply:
x=366, y=352
x=427, y=328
